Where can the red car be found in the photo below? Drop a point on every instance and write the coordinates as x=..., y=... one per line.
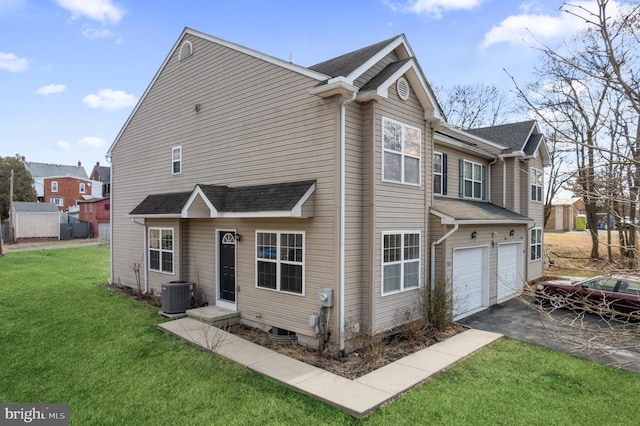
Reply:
x=602, y=294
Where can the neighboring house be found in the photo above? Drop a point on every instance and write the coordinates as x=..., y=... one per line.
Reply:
x=102, y=174
x=66, y=192
x=97, y=211
x=562, y=216
x=35, y=220
x=40, y=171
x=269, y=184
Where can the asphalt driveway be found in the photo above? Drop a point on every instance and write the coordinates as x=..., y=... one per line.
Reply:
x=558, y=331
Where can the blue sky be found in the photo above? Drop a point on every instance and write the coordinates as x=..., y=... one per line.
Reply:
x=71, y=71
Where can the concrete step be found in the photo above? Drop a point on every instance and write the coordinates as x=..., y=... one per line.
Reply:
x=215, y=315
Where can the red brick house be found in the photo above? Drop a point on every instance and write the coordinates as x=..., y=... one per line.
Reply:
x=66, y=191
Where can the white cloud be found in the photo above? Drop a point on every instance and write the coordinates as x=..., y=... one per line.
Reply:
x=92, y=141
x=97, y=10
x=13, y=63
x=433, y=8
x=530, y=27
x=96, y=33
x=63, y=145
x=110, y=100
x=51, y=89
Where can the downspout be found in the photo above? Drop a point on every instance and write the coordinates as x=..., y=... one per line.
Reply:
x=433, y=255
x=343, y=179
x=111, y=271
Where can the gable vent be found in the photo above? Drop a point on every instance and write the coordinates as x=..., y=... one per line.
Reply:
x=185, y=50
x=403, y=88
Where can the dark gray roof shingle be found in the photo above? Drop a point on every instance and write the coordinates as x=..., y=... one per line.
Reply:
x=383, y=75
x=345, y=64
x=170, y=203
x=471, y=211
x=254, y=198
x=514, y=135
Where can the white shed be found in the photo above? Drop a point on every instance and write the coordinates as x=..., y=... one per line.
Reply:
x=35, y=220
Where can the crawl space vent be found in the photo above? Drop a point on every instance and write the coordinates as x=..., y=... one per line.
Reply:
x=403, y=88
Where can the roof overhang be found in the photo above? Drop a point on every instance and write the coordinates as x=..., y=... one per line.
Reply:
x=466, y=212
x=334, y=86
x=292, y=200
x=468, y=147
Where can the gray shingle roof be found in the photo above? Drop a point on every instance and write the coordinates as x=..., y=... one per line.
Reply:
x=103, y=172
x=469, y=211
x=513, y=135
x=383, y=75
x=345, y=64
x=169, y=203
x=50, y=170
x=25, y=206
x=255, y=198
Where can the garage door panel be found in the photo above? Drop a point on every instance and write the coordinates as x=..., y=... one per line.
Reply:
x=510, y=275
x=468, y=280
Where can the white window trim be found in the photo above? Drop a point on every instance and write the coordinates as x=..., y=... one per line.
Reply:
x=472, y=180
x=160, y=250
x=174, y=149
x=440, y=173
x=402, y=154
x=82, y=188
x=54, y=186
x=534, y=175
x=278, y=262
x=531, y=245
x=402, y=262
x=58, y=201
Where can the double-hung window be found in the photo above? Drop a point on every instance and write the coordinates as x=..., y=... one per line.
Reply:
x=400, y=261
x=83, y=187
x=401, y=152
x=54, y=186
x=472, y=180
x=176, y=160
x=536, y=244
x=280, y=261
x=536, y=185
x=161, y=250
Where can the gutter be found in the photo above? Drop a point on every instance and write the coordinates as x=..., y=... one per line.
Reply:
x=343, y=150
x=433, y=255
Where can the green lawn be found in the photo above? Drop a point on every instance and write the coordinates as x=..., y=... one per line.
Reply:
x=63, y=339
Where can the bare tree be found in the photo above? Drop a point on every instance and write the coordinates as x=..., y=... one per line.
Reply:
x=471, y=106
x=585, y=91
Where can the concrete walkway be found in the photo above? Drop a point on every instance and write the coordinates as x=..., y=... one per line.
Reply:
x=358, y=397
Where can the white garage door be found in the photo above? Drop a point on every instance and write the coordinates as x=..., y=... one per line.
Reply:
x=510, y=276
x=469, y=280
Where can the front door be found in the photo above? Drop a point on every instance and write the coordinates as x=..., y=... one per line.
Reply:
x=227, y=267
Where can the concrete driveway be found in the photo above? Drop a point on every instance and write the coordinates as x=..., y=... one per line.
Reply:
x=518, y=320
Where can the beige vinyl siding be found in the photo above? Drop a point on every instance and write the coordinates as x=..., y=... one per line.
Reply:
x=357, y=292
x=535, y=269
x=257, y=124
x=496, y=188
x=399, y=207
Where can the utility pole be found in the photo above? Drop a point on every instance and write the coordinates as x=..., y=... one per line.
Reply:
x=10, y=207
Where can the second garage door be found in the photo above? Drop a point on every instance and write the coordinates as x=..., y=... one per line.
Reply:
x=510, y=276
x=470, y=290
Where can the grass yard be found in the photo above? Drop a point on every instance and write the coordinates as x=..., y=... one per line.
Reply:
x=64, y=339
